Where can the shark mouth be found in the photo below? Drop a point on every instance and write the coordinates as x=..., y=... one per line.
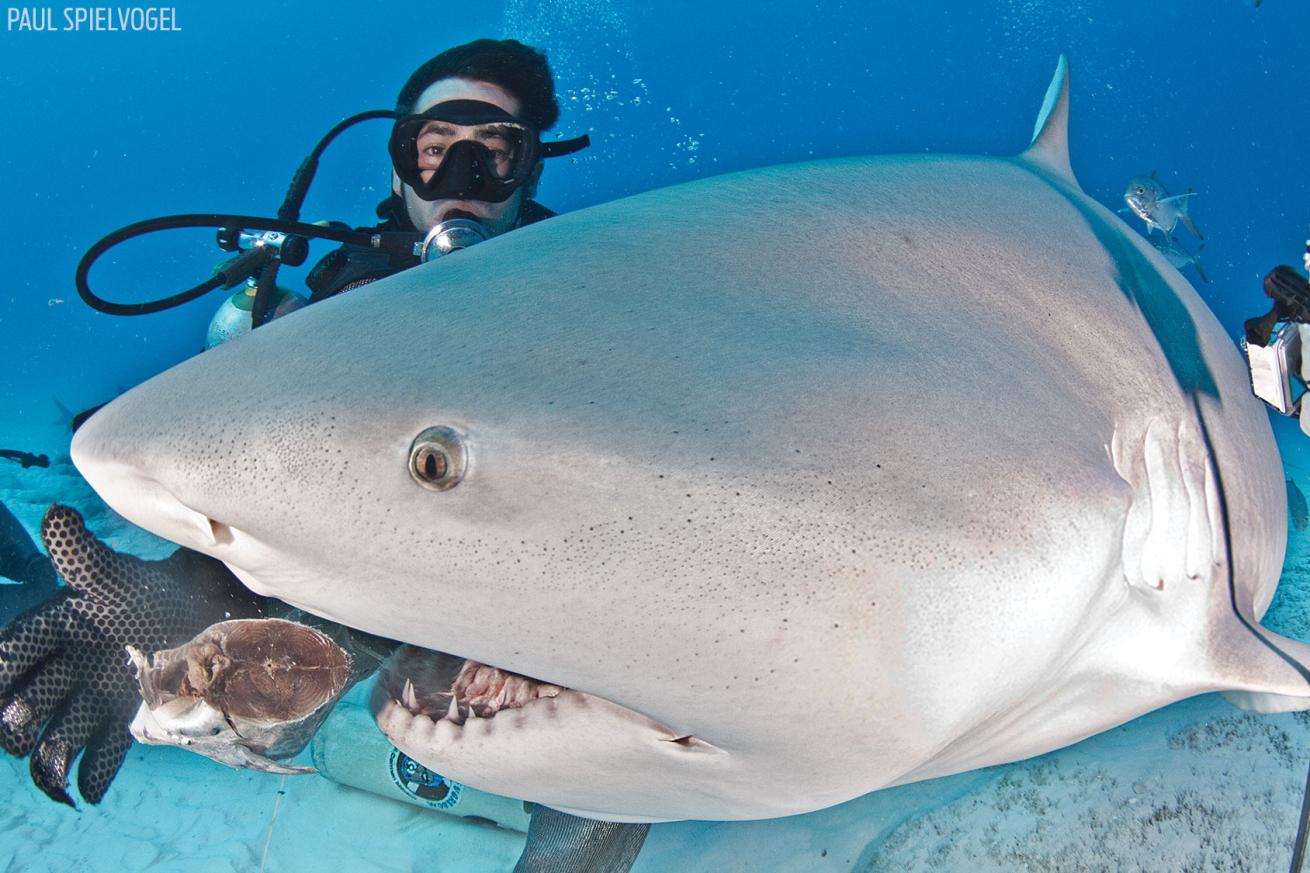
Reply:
x=446, y=687
x=423, y=692
x=426, y=699
x=426, y=690
x=517, y=736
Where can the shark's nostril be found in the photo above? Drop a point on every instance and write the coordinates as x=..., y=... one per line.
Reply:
x=221, y=533
x=180, y=522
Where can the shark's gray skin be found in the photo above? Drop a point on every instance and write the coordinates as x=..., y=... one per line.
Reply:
x=802, y=482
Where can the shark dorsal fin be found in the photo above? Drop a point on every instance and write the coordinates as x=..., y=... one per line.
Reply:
x=1050, y=145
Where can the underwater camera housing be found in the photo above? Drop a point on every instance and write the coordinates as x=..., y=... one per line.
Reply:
x=1273, y=343
x=1274, y=368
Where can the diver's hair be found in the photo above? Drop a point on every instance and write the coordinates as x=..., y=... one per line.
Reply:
x=520, y=69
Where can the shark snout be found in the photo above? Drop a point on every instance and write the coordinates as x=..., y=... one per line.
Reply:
x=115, y=461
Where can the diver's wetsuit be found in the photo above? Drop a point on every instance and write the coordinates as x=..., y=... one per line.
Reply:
x=23, y=562
x=350, y=266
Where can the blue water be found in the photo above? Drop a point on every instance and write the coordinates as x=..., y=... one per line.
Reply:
x=104, y=129
x=108, y=128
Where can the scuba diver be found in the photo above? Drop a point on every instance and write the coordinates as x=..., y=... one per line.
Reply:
x=476, y=106
x=1274, y=343
x=467, y=158
x=27, y=565
x=20, y=559
x=26, y=459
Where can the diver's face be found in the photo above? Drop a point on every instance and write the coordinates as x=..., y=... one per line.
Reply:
x=495, y=217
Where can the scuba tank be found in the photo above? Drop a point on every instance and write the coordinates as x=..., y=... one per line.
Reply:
x=233, y=318
x=236, y=316
x=350, y=750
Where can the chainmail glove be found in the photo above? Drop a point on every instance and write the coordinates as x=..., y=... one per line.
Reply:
x=66, y=682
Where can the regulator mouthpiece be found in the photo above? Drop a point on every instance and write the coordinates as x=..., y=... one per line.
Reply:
x=449, y=236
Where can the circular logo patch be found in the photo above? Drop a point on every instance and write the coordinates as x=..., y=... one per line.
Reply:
x=430, y=789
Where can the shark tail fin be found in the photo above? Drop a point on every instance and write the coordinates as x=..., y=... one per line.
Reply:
x=1050, y=144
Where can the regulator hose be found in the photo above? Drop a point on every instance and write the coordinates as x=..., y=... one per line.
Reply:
x=394, y=243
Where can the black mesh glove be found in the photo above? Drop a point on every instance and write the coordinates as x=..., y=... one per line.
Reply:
x=66, y=682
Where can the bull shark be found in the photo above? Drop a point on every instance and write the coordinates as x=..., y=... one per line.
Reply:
x=788, y=485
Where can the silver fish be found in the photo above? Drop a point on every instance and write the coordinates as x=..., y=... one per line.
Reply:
x=1176, y=254
x=1148, y=200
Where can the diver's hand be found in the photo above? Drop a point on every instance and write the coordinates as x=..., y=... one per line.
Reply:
x=66, y=682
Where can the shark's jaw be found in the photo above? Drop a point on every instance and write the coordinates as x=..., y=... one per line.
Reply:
x=444, y=688
x=435, y=707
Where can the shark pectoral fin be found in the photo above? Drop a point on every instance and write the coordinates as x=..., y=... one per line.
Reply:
x=1050, y=144
x=1279, y=674
x=1266, y=701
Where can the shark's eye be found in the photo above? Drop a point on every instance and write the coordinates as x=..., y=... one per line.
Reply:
x=437, y=458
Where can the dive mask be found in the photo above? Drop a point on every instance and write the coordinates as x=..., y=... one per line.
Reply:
x=469, y=150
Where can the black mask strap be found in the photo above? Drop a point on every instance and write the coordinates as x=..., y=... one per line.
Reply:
x=565, y=146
